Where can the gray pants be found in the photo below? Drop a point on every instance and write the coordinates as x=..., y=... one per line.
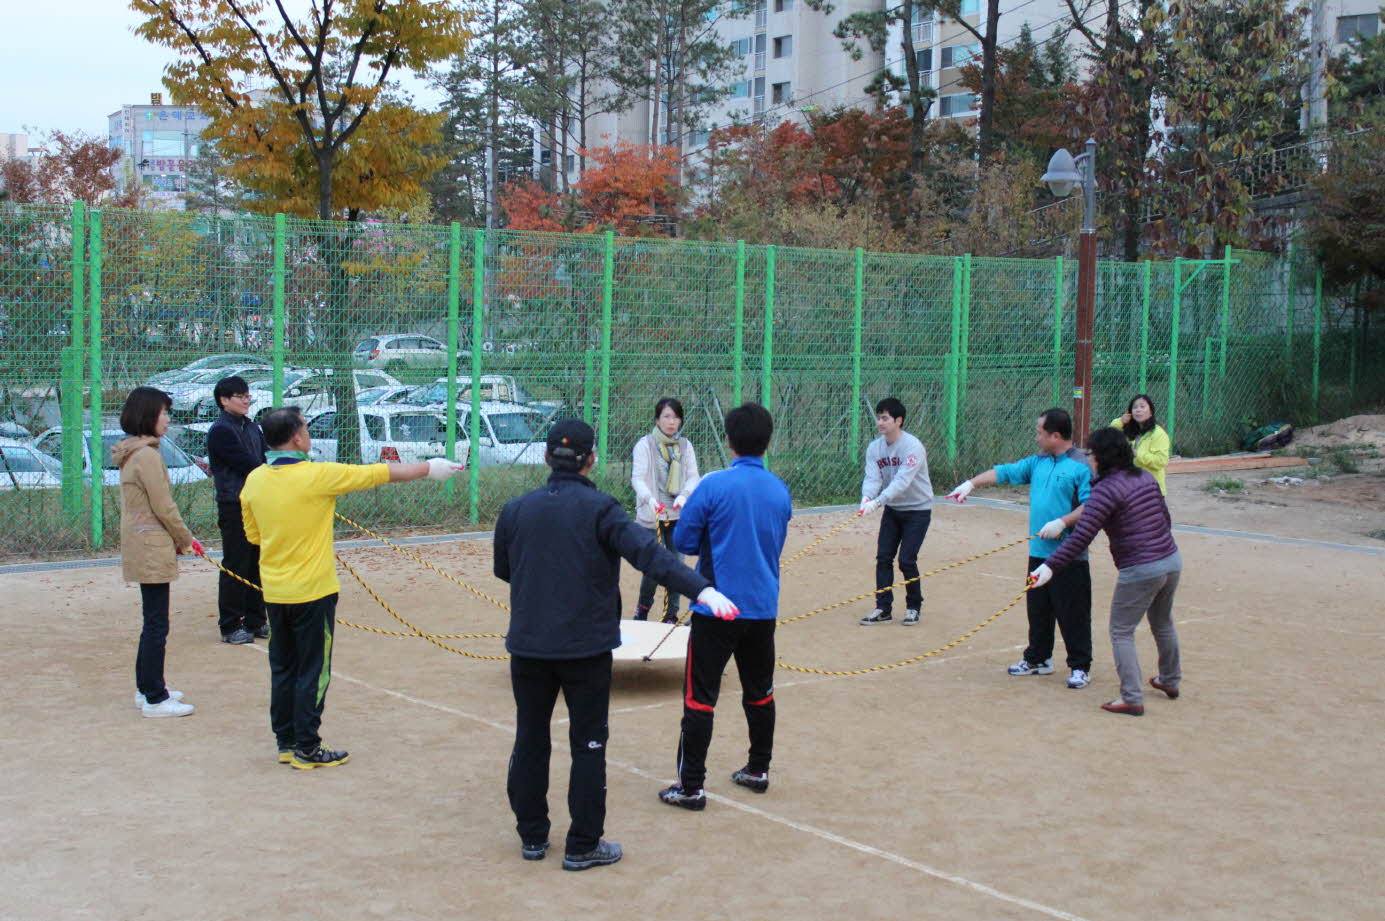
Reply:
x=1128, y=607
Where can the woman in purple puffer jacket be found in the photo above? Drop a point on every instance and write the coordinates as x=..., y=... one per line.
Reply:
x=1126, y=502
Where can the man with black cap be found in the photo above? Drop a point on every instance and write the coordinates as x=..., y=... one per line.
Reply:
x=560, y=547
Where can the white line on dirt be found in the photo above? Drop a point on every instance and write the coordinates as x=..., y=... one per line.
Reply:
x=816, y=832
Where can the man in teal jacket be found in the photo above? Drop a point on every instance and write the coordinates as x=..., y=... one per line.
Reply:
x=1059, y=480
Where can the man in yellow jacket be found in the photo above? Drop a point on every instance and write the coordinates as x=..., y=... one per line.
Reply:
x=288, y=505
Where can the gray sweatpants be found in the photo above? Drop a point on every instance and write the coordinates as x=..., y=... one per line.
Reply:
x=1128, y=607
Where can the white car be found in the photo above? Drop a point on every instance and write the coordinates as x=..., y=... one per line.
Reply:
x=210, y=363
x=500, y=388
x=511, y=433
x=399, y=434
x=22, y=466
x=386, y=393
x=192, y=438
x=181, y=467
x=192, y=395
x=309, y=390
x=398, y=351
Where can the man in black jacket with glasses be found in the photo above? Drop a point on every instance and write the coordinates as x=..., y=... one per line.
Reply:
x=560, y=547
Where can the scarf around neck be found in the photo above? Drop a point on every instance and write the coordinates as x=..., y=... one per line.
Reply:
x=673, y=458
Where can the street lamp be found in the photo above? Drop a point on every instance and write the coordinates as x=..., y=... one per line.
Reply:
x=1064, y=172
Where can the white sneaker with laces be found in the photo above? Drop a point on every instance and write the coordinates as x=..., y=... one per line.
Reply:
x=1024, y=668
x=140, y=701
x=1079, y=679
x=167, y=708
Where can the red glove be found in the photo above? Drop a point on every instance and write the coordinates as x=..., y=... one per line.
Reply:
x=197, y=547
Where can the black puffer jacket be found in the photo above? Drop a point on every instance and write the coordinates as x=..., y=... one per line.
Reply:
x=560, y=548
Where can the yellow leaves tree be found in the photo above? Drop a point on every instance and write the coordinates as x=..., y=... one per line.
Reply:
x=303, y=108
x=306, y=113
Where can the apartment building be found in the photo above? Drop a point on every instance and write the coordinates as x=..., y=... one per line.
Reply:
x=789, y=60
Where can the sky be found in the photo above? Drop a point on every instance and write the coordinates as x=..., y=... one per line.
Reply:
x=68, y=64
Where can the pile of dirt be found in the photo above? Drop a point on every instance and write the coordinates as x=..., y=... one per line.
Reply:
x=1353, y=431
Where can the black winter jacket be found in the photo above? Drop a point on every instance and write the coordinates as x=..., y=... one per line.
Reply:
x=560, y=547
x=235, y=446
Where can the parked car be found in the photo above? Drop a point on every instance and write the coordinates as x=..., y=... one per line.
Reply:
x=181, y=467
x=511, y=433
x=309, y=390
x=192, y=438
x=401, y=434
x=210, y=363
x=22, y=466
x=190, y=396
x=398, y=351
x=387, y=393
x=501, y=388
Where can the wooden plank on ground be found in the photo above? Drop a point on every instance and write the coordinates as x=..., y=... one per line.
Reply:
x=1233, y=462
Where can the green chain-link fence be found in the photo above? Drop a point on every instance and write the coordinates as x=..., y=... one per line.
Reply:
x=496, y=333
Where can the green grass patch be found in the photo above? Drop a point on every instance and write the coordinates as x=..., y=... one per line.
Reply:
x=1224, y=486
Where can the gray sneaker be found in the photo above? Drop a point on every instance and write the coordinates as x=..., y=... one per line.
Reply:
x=604, y=854
x=238, y=637
x=911, y=617
x=876, y=617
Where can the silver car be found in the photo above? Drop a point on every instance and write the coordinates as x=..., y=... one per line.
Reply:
x=398, y=351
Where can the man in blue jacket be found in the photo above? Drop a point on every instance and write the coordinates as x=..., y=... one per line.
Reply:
x=1059, y=482
x=735, y=521
x=560, y=547
x=236, y=446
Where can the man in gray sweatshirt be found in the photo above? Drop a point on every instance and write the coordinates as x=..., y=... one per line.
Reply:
x=897, y=480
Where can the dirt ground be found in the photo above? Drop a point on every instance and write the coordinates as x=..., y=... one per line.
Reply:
x=942, y=790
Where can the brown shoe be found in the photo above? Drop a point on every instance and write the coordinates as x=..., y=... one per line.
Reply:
x=1161, y=686
x=1120, y=706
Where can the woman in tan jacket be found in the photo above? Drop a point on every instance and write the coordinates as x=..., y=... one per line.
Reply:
x=152, y=534
x=663, y=473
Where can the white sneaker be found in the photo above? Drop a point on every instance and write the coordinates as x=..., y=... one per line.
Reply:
x=1024, y=668
x=1079, y=679
x=139, y=698
x=168, y=707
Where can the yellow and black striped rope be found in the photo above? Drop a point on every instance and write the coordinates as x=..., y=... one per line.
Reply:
x=843, y=673
x=855, y=516
x=389, y=610
x=424, y=563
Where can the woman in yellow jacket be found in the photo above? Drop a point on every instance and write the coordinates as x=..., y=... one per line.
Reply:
x=152, y=534
x=1147, y=437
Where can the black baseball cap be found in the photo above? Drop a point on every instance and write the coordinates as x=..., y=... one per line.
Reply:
x=572, y=439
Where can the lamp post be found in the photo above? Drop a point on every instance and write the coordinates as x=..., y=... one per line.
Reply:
x=1064, y=172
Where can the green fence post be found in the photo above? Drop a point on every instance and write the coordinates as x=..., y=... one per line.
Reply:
x=766, y=394
x=1317, y=337
x=1225, y=317
x=478, y=308
x=738, y=349
x=96, y=445
x=952, y=356
x=454, y=332
x=1144, y=328
x=280, y=235
x=856, y=324
x=1173, y=342
x=1057, y=330
x=964, y=355
x=72, y=372
x=1289, y=317
x=587, y=386
x=608, y=276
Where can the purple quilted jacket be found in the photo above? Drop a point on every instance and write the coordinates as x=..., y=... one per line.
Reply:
x=1129, y=505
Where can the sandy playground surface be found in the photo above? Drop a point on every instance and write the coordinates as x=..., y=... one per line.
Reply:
x=943, y=790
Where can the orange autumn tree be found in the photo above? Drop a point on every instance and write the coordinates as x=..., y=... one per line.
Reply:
x=629, y=188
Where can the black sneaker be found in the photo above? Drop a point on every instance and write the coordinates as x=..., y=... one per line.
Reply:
x=604, y=854
x=876, y=617
x=262, y=632
x=238, y=637
x=671, y=618
x=757, y=782
x=534, y=851
x=675, y=796
x=322, y=757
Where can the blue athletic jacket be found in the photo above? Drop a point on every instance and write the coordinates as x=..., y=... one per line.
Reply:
x=1057, y=485
x=735, y=521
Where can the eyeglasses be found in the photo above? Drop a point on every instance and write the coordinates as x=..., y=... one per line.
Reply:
x=242, y=396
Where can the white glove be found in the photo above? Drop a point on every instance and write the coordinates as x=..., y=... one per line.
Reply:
x=679, y=503
x=961, y=492
x=869, y=505
x=721, y=605
x=440, y=468
x=1039, y=577
x=1053, y=529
